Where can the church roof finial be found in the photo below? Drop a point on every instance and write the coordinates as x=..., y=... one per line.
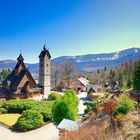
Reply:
x=44, y=47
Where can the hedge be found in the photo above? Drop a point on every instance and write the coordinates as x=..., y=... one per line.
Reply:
x=18, y=106
x=43, y=107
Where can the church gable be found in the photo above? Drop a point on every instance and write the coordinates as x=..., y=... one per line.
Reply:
x=16, y=78
x=19, y=67
x=27, y=79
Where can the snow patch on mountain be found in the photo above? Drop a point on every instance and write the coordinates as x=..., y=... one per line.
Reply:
x=136, y=51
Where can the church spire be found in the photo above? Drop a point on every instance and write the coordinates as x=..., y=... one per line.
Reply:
x=44, y=52
x=44, y=47
x=20, y=58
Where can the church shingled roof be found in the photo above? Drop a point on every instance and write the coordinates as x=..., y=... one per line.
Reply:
x=17, y=78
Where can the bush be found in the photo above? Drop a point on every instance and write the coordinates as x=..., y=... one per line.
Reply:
x=88, y=109
x=72, y=94
x=29, y=120
x=18, y=106
x=106, y=89
x=124, y=105
x=107, y=95
x=3, y=111
x=66, y=107
x=109, y=106
x=91, y=106
x=89, y=133
x=54, y=96
x=45, y=108
x=2, y=101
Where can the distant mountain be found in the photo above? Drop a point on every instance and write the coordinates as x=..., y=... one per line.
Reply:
x=86, y=63
x=91, y=62
x=10, y=64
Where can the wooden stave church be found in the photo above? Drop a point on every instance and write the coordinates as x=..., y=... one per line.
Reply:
x=20, y=84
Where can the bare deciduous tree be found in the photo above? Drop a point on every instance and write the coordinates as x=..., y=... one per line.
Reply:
x=56, y=75
x=67, y=71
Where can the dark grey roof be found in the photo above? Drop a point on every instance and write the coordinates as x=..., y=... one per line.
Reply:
x=20, y=58
x=15, y=78
x=44, y=52
x=21, y=63
x=93, y=87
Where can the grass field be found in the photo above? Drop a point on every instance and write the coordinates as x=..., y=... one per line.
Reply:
x=9, y=119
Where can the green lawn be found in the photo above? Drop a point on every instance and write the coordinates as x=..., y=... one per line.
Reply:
x=9, y=119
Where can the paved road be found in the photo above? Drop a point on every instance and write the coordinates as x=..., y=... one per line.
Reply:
x=48, y=132
x=83, y=98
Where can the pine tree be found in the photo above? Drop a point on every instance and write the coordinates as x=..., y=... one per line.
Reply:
x=105, y=68
x=121, y=80
x=98, y=71
x=112, y=75
x=129, y=81
x=4, y=74
x=136, y=76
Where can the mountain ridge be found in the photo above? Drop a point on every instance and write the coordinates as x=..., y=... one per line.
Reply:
x=87, y=62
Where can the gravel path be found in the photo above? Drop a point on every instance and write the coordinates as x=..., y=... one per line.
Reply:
x=48, y=132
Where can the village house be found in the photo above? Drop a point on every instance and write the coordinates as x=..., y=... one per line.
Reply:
x=79, y=84
x=94, y=91
x=21, y=85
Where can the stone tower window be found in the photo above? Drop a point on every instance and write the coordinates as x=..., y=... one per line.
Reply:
x=41, y=65
x=47, y=67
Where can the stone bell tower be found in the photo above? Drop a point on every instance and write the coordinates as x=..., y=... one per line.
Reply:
x=45, y=71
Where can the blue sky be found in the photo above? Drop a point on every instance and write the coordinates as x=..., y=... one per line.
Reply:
x=69, y=27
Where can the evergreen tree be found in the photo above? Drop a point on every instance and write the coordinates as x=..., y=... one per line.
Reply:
x=105, y=68
x=121, y=80
x=112, y=75
x=136, y=76
x=129, y=81
x=98, y=71
x=4, y=74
